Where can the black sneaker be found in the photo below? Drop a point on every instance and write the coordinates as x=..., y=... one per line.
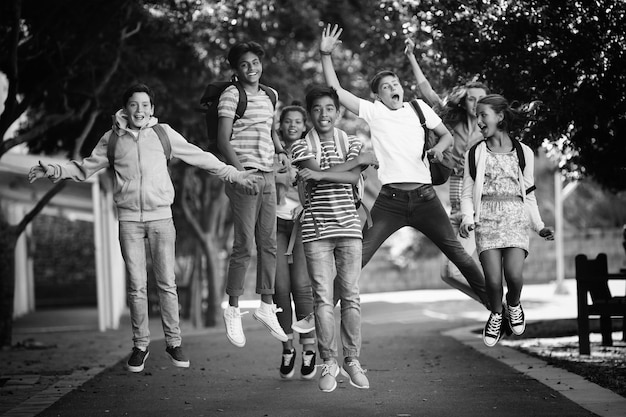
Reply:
x=137, y=359
x=308, y=369
x=287, y=364
x=177, y=356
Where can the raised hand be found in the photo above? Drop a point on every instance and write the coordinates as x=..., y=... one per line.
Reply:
x=330, y=39
x=409, y=46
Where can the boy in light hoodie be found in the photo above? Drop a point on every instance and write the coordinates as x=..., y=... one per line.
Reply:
x=143, y=194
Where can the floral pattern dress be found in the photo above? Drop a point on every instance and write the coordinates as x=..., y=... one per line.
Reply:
x=503, y=219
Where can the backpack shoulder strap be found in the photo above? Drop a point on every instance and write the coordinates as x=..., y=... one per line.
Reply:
x=242, y=104
x=520, y=153
x=164, y=139
x=111, y=148
x=270, y=93
x=471, y=157
x=420, y=114
x=344, y=144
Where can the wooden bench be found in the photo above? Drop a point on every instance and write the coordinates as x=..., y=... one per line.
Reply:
x=592, y=278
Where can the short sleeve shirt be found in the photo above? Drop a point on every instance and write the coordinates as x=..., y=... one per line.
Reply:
x=332, y=204
x=251, y=138
x=398, y=140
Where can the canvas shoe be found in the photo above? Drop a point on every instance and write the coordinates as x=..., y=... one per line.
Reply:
x=287, y=368
x=137, y=359
x=305, y=325
x=266, y=315
x=328, y=379
x=308, y=369
x=352, y=369
x=492, y=331
x=178, y=358
x=234, y=329
x=516, y=319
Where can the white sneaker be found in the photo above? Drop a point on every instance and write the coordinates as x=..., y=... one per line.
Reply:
x=516, y=319
x=234, y=329
x=266, y=315
x=305, y=325
x=492, y=331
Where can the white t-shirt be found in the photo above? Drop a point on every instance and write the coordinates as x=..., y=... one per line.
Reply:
x=398, y=140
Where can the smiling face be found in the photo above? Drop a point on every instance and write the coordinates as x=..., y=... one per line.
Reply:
x=139, y=109
x=323, y=114
x=249, y=68
x=390, y=92
x=488, y=120
x=292, y=126
x=471, y=98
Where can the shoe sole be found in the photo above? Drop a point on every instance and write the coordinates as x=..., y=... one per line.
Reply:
x=178, y=364
x=347, y=375
x=270, y=329
x=301, y=329
x=289, y=375
x=335, y=385
x=140, y=367
x=309, y=376
x=230, y=339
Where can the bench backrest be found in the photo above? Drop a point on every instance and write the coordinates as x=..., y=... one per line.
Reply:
x=592, y=276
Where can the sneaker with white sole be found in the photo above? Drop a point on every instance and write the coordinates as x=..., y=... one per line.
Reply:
x=352, y=369
x=308, y=369
x=306, y=325
x=287, y=368
x=234, y=329
x=328, y=379
x=266, y=315
x=517, y=320
x=177, y=356
x=137, y=359
x=492, y=331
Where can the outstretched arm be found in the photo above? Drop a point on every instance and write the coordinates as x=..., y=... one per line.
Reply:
x=330, y=40
x=423, y=86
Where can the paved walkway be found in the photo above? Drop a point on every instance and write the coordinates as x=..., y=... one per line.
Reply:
x=423, y=357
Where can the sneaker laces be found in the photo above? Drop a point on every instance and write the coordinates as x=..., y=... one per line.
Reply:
x=326, y=368
x=357, y=366
x=287, y=358
x=493, y=325
x=516, y=314
x=307, y=358
x=233, y=324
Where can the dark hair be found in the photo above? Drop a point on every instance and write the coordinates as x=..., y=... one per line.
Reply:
x=318, y=92
x=294, y=106
x=375, y=83
x=454, y=109
x=517, y=117
x=237, y=51
x=137, y=88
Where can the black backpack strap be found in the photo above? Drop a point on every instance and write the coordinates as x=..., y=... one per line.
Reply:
x=242, y=104
x=270, y=93
x=111, y=148
x=522, y=161
x=471, y=158
x=165, y=140
x=418, y=109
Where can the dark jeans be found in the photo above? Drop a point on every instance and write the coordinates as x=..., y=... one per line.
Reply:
x=420, y=208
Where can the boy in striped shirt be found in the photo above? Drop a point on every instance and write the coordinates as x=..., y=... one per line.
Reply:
x=331, y=233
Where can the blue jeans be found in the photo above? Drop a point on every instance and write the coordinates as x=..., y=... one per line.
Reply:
x=292, y=280
x=420, y=208
x=161, y=238
x=254, y=218
x=336, y=263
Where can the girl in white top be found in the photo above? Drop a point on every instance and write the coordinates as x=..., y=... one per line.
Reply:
x=499, y=202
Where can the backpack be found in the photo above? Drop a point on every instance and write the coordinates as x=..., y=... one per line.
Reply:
x=471, y=157
x=210, y=100
x=439, y=172
x=158, y=129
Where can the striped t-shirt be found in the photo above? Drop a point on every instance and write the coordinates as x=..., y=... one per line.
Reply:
x=332, y=204
x=251, y=138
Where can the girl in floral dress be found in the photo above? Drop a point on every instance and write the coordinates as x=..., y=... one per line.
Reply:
x=499, y=202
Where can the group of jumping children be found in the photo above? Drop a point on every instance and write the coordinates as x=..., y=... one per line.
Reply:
x=310, y=252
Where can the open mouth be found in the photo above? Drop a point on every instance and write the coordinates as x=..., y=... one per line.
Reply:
x=395, y=97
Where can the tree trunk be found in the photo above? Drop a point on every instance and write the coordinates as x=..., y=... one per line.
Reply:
x=8, y=240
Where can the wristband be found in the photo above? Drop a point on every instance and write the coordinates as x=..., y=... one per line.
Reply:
x=325, y=53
